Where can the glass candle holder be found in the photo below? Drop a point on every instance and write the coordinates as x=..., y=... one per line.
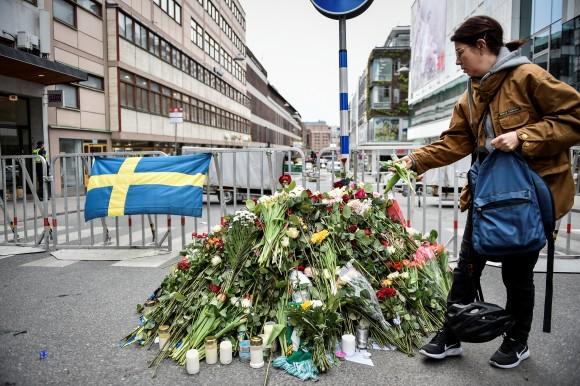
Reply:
x=256, y=352
x=211, y=352
x=164, y=337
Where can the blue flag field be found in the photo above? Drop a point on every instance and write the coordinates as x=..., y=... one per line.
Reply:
x=146, y=185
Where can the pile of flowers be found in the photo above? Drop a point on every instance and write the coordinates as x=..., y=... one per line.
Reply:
x=318, y=264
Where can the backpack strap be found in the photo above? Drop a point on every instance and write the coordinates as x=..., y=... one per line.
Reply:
x=547, y=326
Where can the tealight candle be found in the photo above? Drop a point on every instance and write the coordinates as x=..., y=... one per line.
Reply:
x=348, y=344
x=225, y=352
x=211, y=355
x=192, y=361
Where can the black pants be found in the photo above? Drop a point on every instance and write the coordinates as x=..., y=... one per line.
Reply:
x=518, y=277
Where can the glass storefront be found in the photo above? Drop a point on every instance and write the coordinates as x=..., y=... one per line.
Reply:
x=14, y=126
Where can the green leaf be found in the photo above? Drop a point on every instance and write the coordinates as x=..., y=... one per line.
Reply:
x=433, y=236
x=346, y=212
x=292, y=185
x=178, y=296
x=250, y=204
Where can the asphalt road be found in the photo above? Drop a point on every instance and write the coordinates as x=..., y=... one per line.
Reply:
x=79, y=312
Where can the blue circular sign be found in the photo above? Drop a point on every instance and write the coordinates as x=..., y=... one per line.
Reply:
x=339, y=9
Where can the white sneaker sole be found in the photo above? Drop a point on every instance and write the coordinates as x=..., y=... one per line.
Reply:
x=525, y=356
x=452, y=352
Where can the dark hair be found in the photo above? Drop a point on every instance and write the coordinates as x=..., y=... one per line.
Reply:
x=39, y=143
x=486, y=28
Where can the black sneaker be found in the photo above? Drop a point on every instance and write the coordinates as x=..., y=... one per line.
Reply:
x=510, y=354
x=443, y=344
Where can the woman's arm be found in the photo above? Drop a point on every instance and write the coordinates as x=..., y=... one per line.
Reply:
x=558, y=104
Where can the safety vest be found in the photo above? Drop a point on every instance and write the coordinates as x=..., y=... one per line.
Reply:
x=38, y=156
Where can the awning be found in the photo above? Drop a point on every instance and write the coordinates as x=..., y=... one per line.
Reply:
x=22, y=65
x=429, y=129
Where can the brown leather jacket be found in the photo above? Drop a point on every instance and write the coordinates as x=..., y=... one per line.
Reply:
x=543, y=111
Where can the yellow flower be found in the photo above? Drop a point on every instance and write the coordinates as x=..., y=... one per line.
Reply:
x=386, y=283
x=306, y=305
x=318, y=237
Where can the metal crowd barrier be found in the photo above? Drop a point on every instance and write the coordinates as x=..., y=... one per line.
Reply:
x=69, y=228
x=24, y=224
x=238, y=174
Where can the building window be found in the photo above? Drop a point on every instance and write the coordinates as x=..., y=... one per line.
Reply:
x=154, y=44
x=93, y=81
x=155, y=98
x=126, y=27
x=70, y=97
x=127, y=90
x=382, y=70
x=196, y=34
x=140, y=36
x=65, y=12
x=171, y=8
x=380, y=97
x=141, y=97
x=92, y=6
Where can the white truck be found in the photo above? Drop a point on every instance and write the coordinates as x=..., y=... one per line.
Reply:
x=245, y=174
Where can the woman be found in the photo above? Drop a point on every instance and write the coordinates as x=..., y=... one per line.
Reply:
x=510, y=105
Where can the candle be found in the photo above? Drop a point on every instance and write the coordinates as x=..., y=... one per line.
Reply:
x=348, y=344
x=362, y=335
x=268, y=327
x=211, y=355
x=256, y=353
x=225, y=352
x=192, y=361
x=163, y=334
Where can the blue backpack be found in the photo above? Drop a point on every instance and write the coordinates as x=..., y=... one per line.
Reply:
x=513, y=212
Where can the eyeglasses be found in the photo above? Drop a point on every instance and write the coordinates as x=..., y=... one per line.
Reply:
x=459, y=53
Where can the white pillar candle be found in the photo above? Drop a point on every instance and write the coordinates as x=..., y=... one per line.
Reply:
x=348, y=344
x=256, y=352
x=192, y=361
x=225, y=352
x=211, y=355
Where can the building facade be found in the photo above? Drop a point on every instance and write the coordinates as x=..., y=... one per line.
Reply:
x=273, y=119
x=123, y=65
x=317, y=136
x=550, y=27
x=381, y=104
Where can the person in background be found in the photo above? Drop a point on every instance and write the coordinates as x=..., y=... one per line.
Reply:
x=510, y=105
x=40, y=152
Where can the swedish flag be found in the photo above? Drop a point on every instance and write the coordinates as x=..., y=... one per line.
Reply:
x=141, y=185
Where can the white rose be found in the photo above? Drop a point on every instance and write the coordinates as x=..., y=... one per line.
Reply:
x=316, y=303
x=285, y=241
x=390, y=249
x=246, y=303
x=216, y=228
x=405, y=275
x=216, y=260
x=292, y=232
x=393, y=275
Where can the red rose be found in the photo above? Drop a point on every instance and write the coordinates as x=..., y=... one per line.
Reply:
x=183, y=264
x=395, y=213
x=329, y=208
x=224, y=222
x=368, y=232
x=308, y=193
x=360, y=194
x=345, y=197
x=285, y=179
x=214, y=288
x=300, y=268
x=397, y=265
x=385, y=243
x=338, y=184
x=386, y=293
x=352, y=228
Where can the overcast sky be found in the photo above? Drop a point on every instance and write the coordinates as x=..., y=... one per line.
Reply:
x=298, y=47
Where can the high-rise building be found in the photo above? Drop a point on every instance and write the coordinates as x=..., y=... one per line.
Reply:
x=382, y=108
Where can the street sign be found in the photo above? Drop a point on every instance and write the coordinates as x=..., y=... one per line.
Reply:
x=341, y=9
x=176, y=115
x=54, y=98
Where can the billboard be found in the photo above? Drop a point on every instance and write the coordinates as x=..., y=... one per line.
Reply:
x=428, y=21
